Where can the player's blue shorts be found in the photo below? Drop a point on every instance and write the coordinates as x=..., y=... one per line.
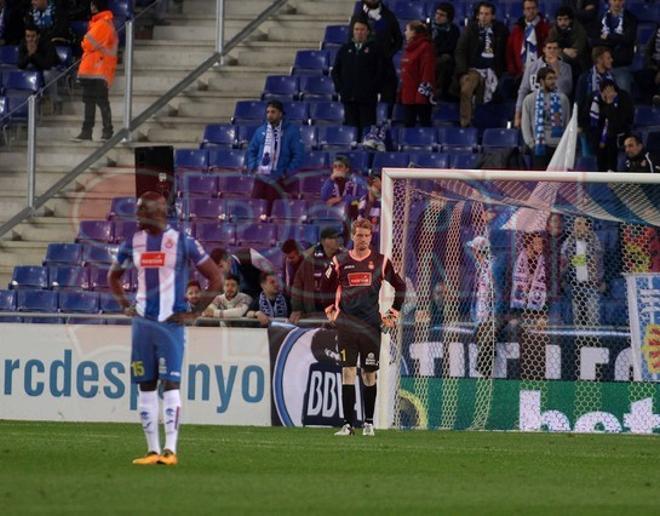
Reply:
x=156, y=351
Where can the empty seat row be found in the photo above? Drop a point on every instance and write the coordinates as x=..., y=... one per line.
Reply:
x=66, y=277
x=78, y=254
x=290, y=87
x=49, y=301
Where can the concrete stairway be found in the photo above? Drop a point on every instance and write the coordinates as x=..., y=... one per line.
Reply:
x=160, y=62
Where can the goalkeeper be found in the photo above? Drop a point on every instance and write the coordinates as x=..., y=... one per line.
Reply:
x=356, y=277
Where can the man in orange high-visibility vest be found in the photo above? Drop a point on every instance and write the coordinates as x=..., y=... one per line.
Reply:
x=97, y=69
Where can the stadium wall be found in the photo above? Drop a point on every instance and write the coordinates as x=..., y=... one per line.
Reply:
x=81, y=373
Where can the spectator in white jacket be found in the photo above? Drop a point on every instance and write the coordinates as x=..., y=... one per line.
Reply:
x=231, y=303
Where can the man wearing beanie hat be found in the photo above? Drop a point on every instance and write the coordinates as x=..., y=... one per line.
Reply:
x=97, y=69
x=274, y=154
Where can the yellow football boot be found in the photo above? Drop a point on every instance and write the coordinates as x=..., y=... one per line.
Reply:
x=150, y=458
x=168, y=458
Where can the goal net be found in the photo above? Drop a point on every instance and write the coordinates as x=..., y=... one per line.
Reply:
x=516, y=315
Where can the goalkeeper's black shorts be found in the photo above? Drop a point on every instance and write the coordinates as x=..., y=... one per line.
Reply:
x=356, y=338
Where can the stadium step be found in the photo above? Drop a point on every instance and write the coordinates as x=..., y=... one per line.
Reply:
x=232, y=7
x=45, y=229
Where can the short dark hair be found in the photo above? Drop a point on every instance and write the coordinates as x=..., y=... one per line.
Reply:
x=233, y=277
x=265, y=275
x=289, y=246
x=447, y=8
x=597, y=52
x=276, y=104
x=218, y=254
x=607, y=83
x=359, y=18
x=32, y=28
x=484, y=4
x=565, y=10
x=543, y=73
x=635, y=137
x=340, y=158
x=536, y=2
x=194, y=283
x=418, y=27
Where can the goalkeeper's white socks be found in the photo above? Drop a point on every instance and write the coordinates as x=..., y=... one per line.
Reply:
x=148, y=409
x=171, y=414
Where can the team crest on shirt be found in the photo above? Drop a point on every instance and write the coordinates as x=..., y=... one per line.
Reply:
x=371, y=265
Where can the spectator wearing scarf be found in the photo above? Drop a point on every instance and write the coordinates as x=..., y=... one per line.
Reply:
x=417, y=76
x=618, y=31
x=589, y=82
x=444, y=34
x=274, y=154
x=606, y=118
x=51, y=21
x=342, y=186
x=271, y=303
x=526, y=39
x=545, y=114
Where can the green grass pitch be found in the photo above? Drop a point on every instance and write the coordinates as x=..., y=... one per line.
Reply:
x=67, y=468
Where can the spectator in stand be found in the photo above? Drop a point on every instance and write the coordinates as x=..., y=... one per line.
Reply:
x=343, y=186
x=545, y=114
x=35, y=53
x=307, y=300
x=51, y=20
x=648, y=79
x=293, y=260
x=444, y=33
x=586, y=13
x=274, y=153
x=583, y=272
x=358, y=74
x=387, y=34
x=480, y=60
x=369, y=207
x=530, y=83
x=618, y=31
x=79, y=10
x=193, y=295
x=526, y=39
x=11, y=22
x=231, y=304
x=572, y=40
x=417, y=76
x=638, y=159
x=605, y=120
x=271, y=303
x=589, y=82
x=246, y=264
x=97, y=69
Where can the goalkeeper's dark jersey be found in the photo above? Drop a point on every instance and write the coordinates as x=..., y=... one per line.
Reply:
x=357, y=283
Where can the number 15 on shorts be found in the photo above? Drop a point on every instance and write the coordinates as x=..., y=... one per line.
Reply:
x=138, y=368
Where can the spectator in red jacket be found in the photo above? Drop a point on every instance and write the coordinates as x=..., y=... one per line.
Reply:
x=417, y=75
x=526, y=39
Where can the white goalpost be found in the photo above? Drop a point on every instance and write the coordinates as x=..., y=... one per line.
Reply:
x=516, y=315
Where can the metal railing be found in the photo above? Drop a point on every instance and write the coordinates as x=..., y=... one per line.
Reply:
x=130, y=124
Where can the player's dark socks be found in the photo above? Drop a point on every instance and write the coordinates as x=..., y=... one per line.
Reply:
x=369, y=403
x=348, y=402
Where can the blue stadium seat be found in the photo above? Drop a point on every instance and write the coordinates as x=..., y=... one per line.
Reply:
x=644, y=11
x=311, y=62
x=63, y=254
x=65, y=55
x=645, y=31
x=200, y=185
x=121, y=8
x=247, y=111
x=360, y=160
x=250, y=210
x=319, y=87
x=646, y=116
x=98, y=254
x=320, y=213
x=280, y=87
x=336, y=35
x=219, y=135
x=493, y=115
x=29, y=276
x=255, y=235
x=458, y=139
x=17, y=107
x=511, y=11
x=586, y=164
x=108, y=304
x=296, y=112
x=301, y=233
x=289, y=210
x=212, y=209
x=308, y=137
x=123, y=208
x=500, y=138
x=191, y=160
x=316, y=160
x=98, y=277
x=124, y=229
x=8, y=304
x=398, y=115
x=309, y=186
x=80, y=302
x=8, y=56
x=416, y=138
x=67, y=277
x=216, y=233
x=429, y=160
x=96, y=231
x=28, y=81
x=408, y=10
x=30, y=300
x=226, y=160
x=381, y=112
x=326, y=113
x=389, y=159
x=464, y=161
x=337, y=137
x=245, y=133
x=234, y=185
